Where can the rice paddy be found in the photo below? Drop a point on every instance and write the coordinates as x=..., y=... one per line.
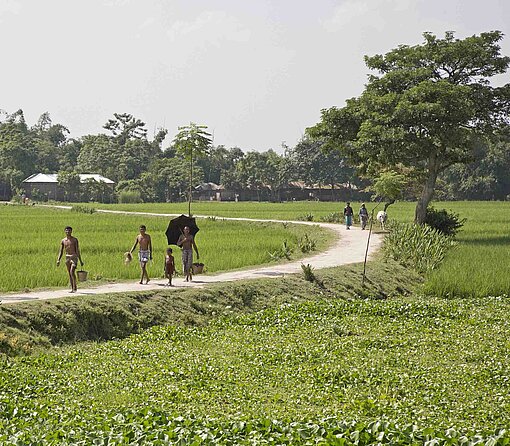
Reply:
x=31, y=237
x=478, y=266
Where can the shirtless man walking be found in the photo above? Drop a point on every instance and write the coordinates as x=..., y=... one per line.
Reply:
x=145, y=252
x=70, y=245
x=187, y=243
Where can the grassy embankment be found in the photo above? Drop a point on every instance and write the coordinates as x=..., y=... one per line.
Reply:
x=31, y=236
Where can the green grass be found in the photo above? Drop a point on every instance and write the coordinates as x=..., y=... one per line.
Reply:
x=477, y=267
x=242, y=209
x=31, y=237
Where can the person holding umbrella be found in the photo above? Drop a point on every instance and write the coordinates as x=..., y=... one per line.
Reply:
x=187, y=243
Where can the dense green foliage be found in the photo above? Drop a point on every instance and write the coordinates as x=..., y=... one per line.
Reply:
x=422, y=248
x=139, y=165
x=145, y=172
x=434, y=363
x=447, y=223
x=425, y=109
x=31, y=237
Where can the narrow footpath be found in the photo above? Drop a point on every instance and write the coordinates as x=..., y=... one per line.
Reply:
x=349, y=247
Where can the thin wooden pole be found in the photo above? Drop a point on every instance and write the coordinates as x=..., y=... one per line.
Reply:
x=368, y=244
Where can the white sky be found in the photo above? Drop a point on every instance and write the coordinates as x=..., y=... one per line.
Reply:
x=256, y=72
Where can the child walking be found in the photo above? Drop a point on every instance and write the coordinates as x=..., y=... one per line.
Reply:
x=169, y=266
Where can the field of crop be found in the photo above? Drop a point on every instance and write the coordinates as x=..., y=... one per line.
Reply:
x=244, y=209
x=31, y=237
x=285, y=375
x=479, y=266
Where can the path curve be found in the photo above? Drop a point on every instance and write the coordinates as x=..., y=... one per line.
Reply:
x=349, y=247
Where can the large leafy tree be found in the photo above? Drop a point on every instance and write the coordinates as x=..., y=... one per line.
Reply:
x=424, y=109
x=486, y=178
x=168, y=179
x=125, y=154
x=124, y=126
x=218, y=161
x=251, y=172
x=99, y=155
x=50, y=143
x=17, y=152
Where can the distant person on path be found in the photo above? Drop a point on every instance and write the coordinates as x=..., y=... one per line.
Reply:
x=145, y=253
x=169, y=266
x=187, y=243
x=363, y=216
x=70, y=245
x=348, y=213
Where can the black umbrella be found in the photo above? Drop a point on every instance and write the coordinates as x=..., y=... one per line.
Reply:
x=176, y=228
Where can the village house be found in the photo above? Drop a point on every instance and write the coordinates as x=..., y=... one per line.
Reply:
x=292, y=191
x=45, y=186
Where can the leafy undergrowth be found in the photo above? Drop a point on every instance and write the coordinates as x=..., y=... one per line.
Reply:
x=284, y=375
x=154, y=427
x=267, y=362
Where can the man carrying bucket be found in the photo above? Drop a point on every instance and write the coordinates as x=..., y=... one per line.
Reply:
x=70, y=245
x=145, y=253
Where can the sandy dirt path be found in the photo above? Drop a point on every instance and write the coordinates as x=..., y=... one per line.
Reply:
x=349, y=247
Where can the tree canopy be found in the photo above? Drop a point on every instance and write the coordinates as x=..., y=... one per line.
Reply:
x=426, y=108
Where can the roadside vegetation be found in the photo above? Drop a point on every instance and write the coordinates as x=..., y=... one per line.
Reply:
x=31, y=236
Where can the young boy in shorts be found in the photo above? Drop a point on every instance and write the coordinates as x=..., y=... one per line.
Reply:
x=72, y=249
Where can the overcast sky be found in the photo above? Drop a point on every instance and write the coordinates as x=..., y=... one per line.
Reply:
x=256, y=72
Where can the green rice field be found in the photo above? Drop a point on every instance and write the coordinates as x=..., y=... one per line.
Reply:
x=242, y=209
x=31, y=237
x=478, y=266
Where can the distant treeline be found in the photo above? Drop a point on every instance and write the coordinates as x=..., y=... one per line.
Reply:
x=142, y=168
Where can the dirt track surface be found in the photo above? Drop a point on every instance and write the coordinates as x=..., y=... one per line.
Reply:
x=349, y=247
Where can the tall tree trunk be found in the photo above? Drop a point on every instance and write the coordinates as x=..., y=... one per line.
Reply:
x=190, y=182
x=428, y=189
